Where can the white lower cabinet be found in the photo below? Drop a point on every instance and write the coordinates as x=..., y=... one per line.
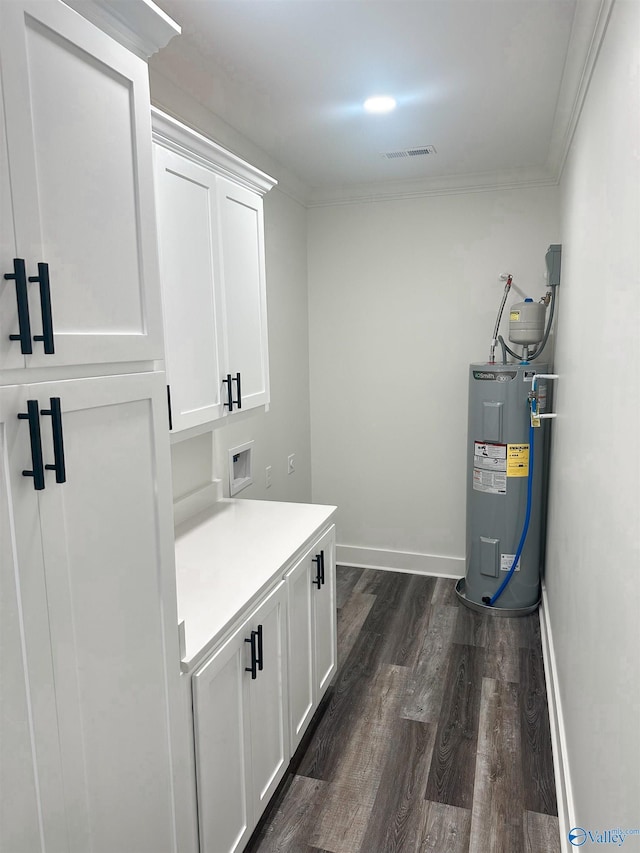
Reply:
x=254, y=696
x=311, y=601
x=325, y=615
x=85, y=572
x=31, y=799
x=241, y=726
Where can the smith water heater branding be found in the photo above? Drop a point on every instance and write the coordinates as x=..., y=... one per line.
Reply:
x=495, y=375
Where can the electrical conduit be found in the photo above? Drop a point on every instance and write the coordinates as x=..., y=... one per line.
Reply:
x=494, y=339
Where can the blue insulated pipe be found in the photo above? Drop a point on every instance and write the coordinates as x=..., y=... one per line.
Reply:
x=525, y=528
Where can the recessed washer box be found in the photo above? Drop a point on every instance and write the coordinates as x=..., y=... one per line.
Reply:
x=240, y=467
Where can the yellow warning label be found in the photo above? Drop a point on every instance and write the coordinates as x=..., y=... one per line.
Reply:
x=517, y=460
x=515, y=315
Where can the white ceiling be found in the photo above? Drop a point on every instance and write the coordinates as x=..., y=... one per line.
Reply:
x=494, y=85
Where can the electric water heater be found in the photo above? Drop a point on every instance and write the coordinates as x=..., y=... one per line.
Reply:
x=507, y=450
x=498, y=461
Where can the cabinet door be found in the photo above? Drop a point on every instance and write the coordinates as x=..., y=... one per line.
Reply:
x=269, y=713
x=186, y=206
x=300, y=643
x=324, y=602
x=31, y=802
x=109, y=572
x=242, y=268
x=311, y=632
x=223, y=743
x=10, y=351
x=79, y=139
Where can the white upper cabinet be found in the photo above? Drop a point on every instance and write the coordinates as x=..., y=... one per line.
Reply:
x=80, y=178
x=10, y=353
x=187, y=215
x=242, y=273
x=212, y=261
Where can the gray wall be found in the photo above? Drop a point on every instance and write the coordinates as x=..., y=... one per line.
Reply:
x=593, y=561
x=402, y=296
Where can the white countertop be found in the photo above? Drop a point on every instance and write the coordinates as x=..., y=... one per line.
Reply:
x=228, y=555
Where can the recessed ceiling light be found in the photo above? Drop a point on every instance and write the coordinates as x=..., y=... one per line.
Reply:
x=380, y=104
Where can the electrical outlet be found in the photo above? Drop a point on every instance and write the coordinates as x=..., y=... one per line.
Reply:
x=291, y=463
x=267, y=477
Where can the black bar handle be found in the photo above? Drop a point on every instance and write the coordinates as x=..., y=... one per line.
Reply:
x=254, y=661
x=45, y=304
x=318, y=578
x=24, y=324
x=322, y=567
x=259, y=657
x=239, y=400
x=169, y=407
x=33, y=416
x=58, y=441
x=229, y=383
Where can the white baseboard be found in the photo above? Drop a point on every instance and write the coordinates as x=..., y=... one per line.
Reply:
x=566, y=810
x=400, y=561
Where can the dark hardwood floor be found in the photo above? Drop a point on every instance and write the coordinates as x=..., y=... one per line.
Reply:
x=433, y=737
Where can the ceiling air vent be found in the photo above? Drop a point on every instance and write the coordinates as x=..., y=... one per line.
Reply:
x=409, y=152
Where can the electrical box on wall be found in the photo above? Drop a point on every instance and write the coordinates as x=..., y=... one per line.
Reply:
x=240, y=468
x=553, y=260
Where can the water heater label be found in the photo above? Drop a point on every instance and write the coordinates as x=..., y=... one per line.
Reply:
x=517, y=460
x=490, y=482
x=489, y=455
x=490, y=467
x=542, y=397
x=506, y=561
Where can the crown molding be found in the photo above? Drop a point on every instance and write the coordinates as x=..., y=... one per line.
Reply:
x=587, y=33
x=445, y=185
x=139, y=25
x=176, y=136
